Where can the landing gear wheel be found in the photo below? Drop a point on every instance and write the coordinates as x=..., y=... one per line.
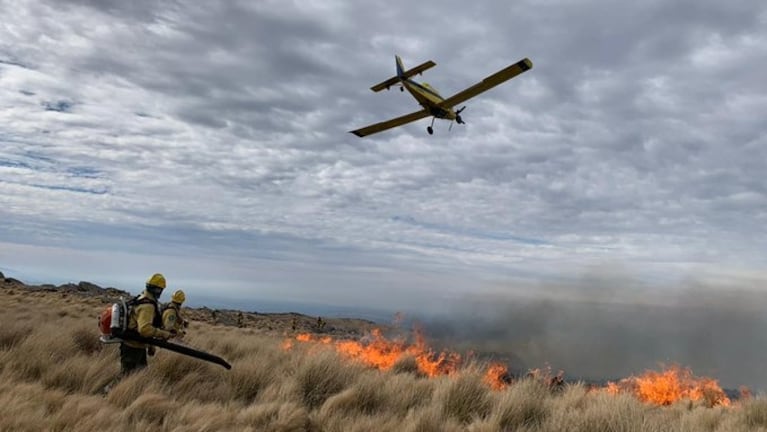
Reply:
x=430, y=130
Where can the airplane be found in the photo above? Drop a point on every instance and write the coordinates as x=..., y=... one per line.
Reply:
x=433, y=104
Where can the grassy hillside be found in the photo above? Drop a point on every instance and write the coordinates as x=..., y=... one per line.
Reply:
x=53, y=370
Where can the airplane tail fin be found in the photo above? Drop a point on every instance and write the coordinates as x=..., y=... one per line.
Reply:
x=402, y=74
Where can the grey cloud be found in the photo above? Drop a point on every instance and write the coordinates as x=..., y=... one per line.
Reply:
x=139, y=10
x=637, y=136
x=58, y=106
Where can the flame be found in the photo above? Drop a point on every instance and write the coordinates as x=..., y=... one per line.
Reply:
x=666, y=387
x=304, y=337
x=670, y=385
x=612, y=388
x=497, y=376
x=381, y=353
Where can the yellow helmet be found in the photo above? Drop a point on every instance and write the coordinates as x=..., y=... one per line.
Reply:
x=178, y=297
x=157, y=280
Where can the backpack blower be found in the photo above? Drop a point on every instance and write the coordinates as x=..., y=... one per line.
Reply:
x=113, y=324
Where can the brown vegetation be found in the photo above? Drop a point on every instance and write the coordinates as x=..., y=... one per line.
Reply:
x=53, y=372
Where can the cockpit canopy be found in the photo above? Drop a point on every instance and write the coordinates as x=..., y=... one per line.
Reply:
x=430, y=87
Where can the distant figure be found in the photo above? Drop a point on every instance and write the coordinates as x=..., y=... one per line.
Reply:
x=294, y=324
x=320, y=324
x=171, y=314
x=213, y=316
x=146, y=320
x=240, y=320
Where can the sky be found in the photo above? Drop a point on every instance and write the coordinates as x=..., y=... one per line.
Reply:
x=209, y=141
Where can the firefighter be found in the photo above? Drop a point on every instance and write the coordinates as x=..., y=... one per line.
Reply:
x=146, y=320
x=171, y=315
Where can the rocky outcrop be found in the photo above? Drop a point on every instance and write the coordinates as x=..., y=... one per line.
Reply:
x=85, y=289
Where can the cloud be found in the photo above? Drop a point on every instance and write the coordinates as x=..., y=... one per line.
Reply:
x=637, y=137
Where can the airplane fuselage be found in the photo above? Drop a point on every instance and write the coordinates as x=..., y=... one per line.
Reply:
x=433, y=105
x=428, y=98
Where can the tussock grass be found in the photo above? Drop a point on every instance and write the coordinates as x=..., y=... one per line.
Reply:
x=86, y=341
x=196, y=416
x=248, y=379
x=127, y=390
x=407, y=364
x=464, y=398
x=53, y=371
x=322, y=375
x=522, y=405
x=755, y=414
x=406, y=393
x=85, y=413
x=430, y=419
x=149, y=408
x=365, y=397
x=276, y=417
x=171, y=368
x=12, y=333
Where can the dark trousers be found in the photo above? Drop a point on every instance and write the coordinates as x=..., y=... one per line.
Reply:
x=132, y=359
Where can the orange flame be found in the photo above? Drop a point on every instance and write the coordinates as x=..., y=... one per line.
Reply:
x=497, y=376
x=383, y=354
x=660, y=388
x=671, y=385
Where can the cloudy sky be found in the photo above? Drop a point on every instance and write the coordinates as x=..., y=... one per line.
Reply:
x=209, y=141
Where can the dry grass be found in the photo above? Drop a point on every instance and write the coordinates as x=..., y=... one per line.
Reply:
x=464, y=398
x=53, y=370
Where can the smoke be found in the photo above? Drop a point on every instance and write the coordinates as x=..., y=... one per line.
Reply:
x=608, y=327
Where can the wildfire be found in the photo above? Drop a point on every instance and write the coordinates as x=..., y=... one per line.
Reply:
x=671, y=385
x=382, y=353
x=497, y=376
x=666, y=387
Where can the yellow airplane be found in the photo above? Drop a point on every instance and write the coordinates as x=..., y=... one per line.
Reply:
x=433, y=104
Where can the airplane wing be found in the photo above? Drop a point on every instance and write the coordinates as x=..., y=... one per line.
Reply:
x=388, y=124
x=407, y=74
x=488, y=83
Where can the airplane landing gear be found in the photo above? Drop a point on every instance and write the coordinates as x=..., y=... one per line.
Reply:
x=430, y=130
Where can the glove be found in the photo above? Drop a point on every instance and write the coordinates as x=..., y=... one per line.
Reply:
x=151, y=350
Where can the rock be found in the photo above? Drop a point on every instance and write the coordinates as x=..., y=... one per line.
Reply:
x=13, y=281
x=87, y=286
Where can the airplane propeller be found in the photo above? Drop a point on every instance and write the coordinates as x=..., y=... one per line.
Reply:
x=458, y=118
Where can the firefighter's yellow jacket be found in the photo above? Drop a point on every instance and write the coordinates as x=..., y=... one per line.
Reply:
x=172, y=319
x=146, y=320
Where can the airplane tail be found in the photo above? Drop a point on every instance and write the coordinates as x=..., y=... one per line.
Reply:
x=402, y=74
